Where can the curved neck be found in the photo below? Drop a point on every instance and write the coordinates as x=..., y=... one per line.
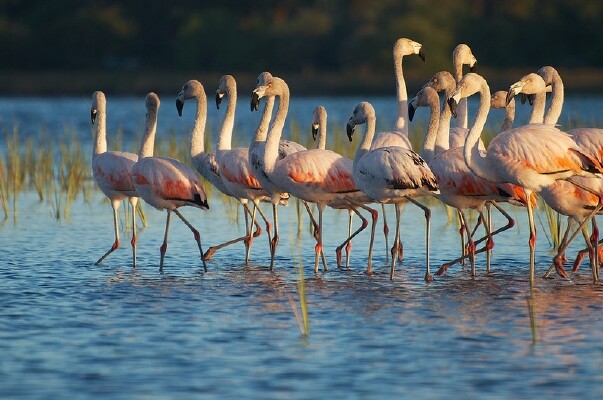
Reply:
x=262, y=129
x=462, y=120
x=554, y=111
x=474, y=160
x=367, y=138
x=432, y=131
x=322, y=133
x=225, y=134
x=442, y=142
x=402, y=119
x=274, y=135
x=537, y=114
x=198, y=132
x=100, y=142
x=148, y=139
x=509, y=116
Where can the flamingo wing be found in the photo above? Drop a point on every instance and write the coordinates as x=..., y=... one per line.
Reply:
x=112, y=172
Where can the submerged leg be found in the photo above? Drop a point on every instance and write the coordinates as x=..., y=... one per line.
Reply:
x=115, y=245
x=195, y=234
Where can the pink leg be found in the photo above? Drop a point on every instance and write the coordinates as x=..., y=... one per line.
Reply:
x=115, y=245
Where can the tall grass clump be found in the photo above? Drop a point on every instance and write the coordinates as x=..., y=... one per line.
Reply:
x=72, y=171
x=3, y=187
x=15, y=169
x=553, y=219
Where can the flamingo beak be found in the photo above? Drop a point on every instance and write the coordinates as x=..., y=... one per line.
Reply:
x=422, y=54
x=411, y=109
x=314, y=132
x=218, y=100
x=452, y=104
x=473, y=68
x=93, y=115
x=255, y=101
x=350, y=129
x=179, y=106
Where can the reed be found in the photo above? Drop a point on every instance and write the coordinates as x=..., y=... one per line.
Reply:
x=3, y=187
x=553, y=219
x=300, y=311
x=16, y=172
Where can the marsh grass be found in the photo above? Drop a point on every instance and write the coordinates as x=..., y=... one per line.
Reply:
x=3, y=187
x=300, y=311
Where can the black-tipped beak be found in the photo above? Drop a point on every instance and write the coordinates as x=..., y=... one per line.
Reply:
x=422, y=54
x=473, y=68
x=179, y=106
x=93, y=116
x=218, y=100
x=411, y=111
x=524, y=97
x=255, y=101
x=350, y=129
x=314, y=132
x=452, y=105
x=510, y=95
x=531, y=99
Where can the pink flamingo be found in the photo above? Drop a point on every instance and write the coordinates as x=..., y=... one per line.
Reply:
x=319, y=131
x=462, y=55
x=391, y=174
x=532, y=156
x=399, y=136
x=166, y=183
x=205, y=163
x=316, y=175
x=562, y=196
x=459, y=187
x=112, y=172
x=256, y=153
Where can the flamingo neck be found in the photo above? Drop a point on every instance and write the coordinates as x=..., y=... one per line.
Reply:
x=477, y=164
x=322, y=134
x=262, y=129
x=402, y=95
x=537, y=114
x=432, y=130
x=365, y=144
x=509, y=116
x=554, y=111
x=442, y=142
x=198, y=132
x=100, y=142
x=225, y=134
x=462, y=120
x=148, y=139
x=276, y=130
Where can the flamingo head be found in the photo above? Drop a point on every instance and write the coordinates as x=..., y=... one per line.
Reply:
x=191, y=89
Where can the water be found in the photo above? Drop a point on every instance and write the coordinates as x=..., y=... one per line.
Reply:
x=70, y=329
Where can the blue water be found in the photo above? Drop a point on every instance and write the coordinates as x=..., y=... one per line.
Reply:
x=70, y=329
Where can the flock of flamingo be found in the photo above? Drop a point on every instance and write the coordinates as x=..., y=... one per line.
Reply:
x=564, y=168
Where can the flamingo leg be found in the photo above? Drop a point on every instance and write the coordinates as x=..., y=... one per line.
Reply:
x=115, y=245
x=351, y=235
x=164, y=245
x=385, y=232
x=462, y=233
x=248, y=238
x=427, y=211
x=395, y=248
x=274, y=241
x=348, y=247
x=133, y=202
x=195, y=234
x=314, y=229
x=318, y=247
x=594, y=239
x=488, y=226
x=470, y=246
x=532, y=240
x=374, y=217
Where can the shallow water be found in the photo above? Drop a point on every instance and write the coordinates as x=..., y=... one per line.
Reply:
x=70, y=329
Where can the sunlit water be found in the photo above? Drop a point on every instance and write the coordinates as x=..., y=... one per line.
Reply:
x=70, y=329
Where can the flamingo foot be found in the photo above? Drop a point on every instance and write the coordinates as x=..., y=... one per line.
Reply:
x=428, y=277
x=559, y=267
x=339, y=256
x=578, y=260
x=209, y=253
x=442, y=269
x=400, y=252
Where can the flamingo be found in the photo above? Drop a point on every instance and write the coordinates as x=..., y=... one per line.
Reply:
x=462, y=55
x=315, y=175
x=399, y=136
x=256, y=153
x=319, y=131
x=448, y=137
x=205, y=163
x=390, y=174
x=532, y=156
x=459, y=187
x=112, y=172
x=562, y=196
x=166, y=183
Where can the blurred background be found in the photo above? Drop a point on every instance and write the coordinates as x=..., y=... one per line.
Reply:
x=335, y=47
